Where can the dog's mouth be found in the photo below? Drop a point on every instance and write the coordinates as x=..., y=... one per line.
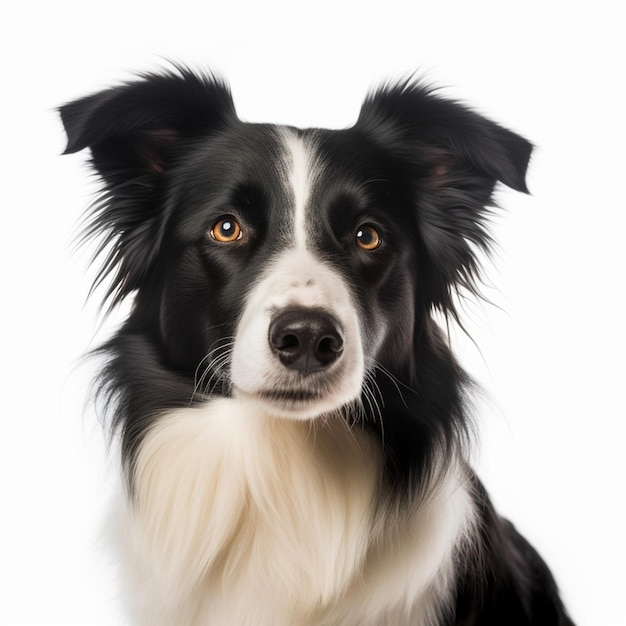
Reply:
x=290, y=396
x=292, y=402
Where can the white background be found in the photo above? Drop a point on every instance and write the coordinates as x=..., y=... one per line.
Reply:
x=551, y=350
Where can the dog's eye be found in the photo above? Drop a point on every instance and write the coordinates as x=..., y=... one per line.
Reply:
x=367, y=237
x=226, y=230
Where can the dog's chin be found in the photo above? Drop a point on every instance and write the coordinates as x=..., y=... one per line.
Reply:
x=297, y=404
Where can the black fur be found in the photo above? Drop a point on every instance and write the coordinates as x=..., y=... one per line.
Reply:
x=172, y=154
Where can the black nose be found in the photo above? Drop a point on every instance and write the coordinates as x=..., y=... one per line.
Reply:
x=306, y=340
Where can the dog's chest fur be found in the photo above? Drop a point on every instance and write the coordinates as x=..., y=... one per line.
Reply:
x=259, y=521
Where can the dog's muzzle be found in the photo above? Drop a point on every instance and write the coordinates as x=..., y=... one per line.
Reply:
x=306, y=340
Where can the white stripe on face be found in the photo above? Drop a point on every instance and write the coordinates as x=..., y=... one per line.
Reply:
x=300, y=163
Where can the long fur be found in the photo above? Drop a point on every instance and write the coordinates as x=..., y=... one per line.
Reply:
x=294, y=428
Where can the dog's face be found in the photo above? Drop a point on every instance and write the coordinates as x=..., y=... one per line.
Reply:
x=281, y=264
x=292, y=251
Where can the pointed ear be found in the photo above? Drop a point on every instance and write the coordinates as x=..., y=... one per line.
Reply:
x=136, y=133
x=415, y=117
x=136, y=129
x=451, y=158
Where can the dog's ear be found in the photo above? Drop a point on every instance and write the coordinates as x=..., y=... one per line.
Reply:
x=136, y=133
x=136, y=129
x=451, y=159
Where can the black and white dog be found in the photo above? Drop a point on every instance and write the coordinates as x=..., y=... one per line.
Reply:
x=293, y=425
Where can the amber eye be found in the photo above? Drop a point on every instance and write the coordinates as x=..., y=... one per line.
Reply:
x=226, y=230
x=367, y=238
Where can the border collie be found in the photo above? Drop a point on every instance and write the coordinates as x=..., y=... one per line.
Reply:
x=293, y=424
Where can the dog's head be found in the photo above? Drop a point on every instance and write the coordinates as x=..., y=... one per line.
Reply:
x=282, y=264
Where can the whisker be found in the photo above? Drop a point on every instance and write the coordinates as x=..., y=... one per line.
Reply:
x=218, y=365
x=371, y=391
x=216, y=369
x=394, y=379
x=229, y=341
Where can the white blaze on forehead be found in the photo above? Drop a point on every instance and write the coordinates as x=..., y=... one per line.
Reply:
x=300, y=175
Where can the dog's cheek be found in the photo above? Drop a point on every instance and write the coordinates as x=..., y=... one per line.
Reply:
x=387, y=315
x=252, y=359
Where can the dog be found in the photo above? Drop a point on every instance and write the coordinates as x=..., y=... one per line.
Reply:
x=293, y=426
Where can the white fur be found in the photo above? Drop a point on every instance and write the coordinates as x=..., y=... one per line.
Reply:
x=301, y=167
x=244, y=519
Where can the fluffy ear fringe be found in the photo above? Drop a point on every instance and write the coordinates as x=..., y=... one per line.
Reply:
x=180, y=103
x=414, y=112
x=122, y=144
x=454, y=157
